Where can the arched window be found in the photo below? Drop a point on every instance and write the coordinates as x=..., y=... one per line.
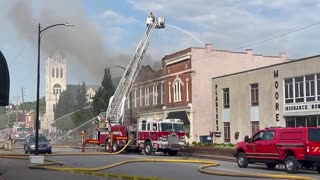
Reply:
x=57, y=89
x=177, y=91
x=57, y=72
x=53, y=72
x=61, y=72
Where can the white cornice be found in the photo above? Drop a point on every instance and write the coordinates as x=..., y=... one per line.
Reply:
x=178, y=59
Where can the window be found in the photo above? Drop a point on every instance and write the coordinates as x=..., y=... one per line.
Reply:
x=254, y=94
x=226, y=131
x=154, y=127
x=61, y=72
x=57, y=72
x=310, y=88
x=54, y=107
x=143, y=125
x=155, y=94
x=268, y=135
x=187, y=90
x=299, y=89
x=53, y=72
x=57, y=89
x=169, y=89
x=226, y=98
x=177, y=91
x=162, y=93
x=318, y=86
x=288, y=83
x=254, y=127
x=147, y=96
x=258, y=136
x=140, y=97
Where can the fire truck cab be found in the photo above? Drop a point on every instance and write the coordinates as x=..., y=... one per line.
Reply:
x=165, y=135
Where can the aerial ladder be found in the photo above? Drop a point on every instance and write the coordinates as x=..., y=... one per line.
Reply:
x=114, y=113
x=113, y=116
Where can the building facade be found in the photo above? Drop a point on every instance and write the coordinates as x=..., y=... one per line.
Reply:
x=188, y=75
x=147, y=95
x=56, y=83
x=284, y=95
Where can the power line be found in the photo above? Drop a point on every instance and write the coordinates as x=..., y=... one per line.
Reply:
x=26, y=44
x=265, y=40
x=278, y=36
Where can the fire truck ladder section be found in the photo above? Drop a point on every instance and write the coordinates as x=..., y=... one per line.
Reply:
x=114, y=112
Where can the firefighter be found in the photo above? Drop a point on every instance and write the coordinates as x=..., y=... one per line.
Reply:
x=9, y=143
x=150, y=19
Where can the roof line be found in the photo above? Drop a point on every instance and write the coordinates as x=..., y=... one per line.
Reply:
x=291, y=61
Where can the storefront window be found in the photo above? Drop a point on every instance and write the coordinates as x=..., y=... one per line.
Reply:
x=312, y=121
x=300, y=121
x=290, y=122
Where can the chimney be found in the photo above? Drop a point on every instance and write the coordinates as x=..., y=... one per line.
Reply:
x=249, y=51
x=208, y=46
x=282, y=56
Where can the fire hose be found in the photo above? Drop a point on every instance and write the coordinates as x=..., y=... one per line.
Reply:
x=96, y=171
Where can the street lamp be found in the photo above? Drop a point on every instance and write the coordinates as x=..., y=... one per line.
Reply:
x=38, y=82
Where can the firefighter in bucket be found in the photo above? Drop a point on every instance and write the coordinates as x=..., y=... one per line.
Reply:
x=150, y=19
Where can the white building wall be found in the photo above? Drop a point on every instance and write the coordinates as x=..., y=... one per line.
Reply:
x=208, y=63
x=271, y=96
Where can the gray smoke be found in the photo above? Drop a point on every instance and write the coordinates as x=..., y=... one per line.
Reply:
x=83, y=43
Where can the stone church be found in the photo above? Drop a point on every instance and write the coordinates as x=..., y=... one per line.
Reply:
x=56, y=83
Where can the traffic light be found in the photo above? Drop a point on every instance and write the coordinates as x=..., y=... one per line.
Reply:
x=4, y=81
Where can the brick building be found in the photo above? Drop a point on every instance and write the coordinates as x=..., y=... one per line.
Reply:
x=185, y=86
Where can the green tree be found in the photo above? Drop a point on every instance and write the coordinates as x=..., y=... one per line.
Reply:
x=32, y=105
x=84, y=114
x=101, y=99
x=66, y=104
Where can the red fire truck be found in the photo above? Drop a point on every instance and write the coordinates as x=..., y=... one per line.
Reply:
x=150, y=135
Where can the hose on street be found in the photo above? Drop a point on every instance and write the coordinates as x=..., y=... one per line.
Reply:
x=207, y=166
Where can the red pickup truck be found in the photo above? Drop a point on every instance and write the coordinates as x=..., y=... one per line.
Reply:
x=293, y=147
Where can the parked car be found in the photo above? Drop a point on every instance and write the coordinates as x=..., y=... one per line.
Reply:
x=20, y=137
x=295, y=147
x=43, y=145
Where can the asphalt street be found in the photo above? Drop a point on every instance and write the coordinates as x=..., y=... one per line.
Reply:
x=177, y=171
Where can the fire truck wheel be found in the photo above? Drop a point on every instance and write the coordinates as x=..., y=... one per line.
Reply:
x=147, y=148
x=242, y=160
x=115, y=146
x=291, y=164
x=106, y=145
x=172, y=152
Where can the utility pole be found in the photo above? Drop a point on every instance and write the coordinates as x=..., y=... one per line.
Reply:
x=23, y=105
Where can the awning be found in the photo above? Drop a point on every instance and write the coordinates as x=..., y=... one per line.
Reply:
x=4, y=81
x=179, y=115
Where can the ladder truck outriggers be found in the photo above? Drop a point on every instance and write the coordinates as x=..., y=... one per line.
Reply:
x=148, y=134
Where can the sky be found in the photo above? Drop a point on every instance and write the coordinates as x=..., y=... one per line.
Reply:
x=106, y=33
